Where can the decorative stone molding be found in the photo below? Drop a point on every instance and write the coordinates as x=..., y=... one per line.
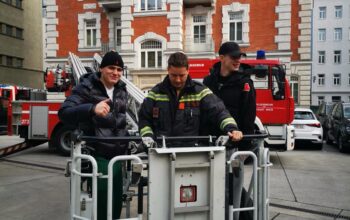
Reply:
x=81, y=30
x=50, y=29
x=235, y=7
x=175, y=30
x=148, y=36
x=283, y=24
x=305, y=14
x=127, y=30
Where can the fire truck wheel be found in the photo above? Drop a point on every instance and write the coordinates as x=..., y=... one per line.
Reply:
x=61, y=140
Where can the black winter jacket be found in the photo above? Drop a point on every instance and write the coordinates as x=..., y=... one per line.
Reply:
x=164, y=114
x=77, y=111
x=238, y=94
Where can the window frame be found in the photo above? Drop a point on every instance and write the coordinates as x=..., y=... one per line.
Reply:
x=321, y=79
x=146, y=5
x=338, y=11
x=336, y=79
x=321, y=57
x=199, y=24
x=322, y=34
x=338, y=34
x=322, y=13
x=235, y=22
x=337, y=57
x=158, y=53
x=92, y=29
x=320, y=100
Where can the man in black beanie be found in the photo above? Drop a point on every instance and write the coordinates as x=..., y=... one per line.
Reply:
x=97, y=106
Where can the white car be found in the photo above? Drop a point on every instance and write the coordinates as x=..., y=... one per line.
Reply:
x=307, y=127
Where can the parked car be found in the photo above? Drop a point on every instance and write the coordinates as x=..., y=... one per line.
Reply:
x=307, y=127
x=339, y=131
x=323, y=114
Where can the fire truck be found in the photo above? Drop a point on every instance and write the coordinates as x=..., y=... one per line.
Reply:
x=32, y=114
x=275, y=105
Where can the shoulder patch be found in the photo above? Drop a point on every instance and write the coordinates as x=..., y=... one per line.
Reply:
x=246, y=87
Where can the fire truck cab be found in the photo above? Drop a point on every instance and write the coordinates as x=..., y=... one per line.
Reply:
x=275, y=105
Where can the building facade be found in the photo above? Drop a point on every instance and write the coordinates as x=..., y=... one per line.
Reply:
x=21, y=56
x=146, y=32
x=331, y=51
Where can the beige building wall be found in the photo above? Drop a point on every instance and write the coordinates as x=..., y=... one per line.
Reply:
x=29, y=18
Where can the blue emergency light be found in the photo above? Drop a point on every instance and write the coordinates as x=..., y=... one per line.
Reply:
x=260, y=55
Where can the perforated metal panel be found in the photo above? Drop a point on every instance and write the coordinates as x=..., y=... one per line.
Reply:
x=38, y=126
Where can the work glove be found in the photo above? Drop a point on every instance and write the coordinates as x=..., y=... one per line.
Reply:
x=148, y=142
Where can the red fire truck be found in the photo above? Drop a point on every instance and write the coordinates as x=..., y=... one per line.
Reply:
x=33, y=117
x=275, y=105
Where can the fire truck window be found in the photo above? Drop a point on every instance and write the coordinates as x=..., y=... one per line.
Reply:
x=260, y=83
x=278, y=84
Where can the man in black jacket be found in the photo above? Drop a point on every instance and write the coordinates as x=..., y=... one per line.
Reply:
x=97, y=106
x=175, y=107
x=234, y=87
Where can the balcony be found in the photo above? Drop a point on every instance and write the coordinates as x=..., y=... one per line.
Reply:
x=199, y=49
x=110, y=5
x=200, y=2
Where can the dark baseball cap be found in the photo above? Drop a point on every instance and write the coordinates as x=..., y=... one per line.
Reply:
x=112, y=58
x=232, y=49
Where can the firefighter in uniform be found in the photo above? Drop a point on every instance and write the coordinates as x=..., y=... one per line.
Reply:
x=234, y=87
x=176, y=106
x=97, y=106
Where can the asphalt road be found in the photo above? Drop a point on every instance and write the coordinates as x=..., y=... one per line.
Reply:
x=304, y=184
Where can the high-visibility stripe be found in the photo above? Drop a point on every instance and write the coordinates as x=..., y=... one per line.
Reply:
x=146, y=130
x=196, y=97
x=226, y=122
x=157, y=96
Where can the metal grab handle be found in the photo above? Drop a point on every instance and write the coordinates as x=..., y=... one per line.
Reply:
x=94, y=175
x=110, y=179
x=255, y=184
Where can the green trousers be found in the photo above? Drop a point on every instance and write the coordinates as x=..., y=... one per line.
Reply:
x=102, y=188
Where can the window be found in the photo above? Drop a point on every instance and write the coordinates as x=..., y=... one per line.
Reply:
x=349, y=79
x=338, y=11
x=1, y=59
x=19, y=3
x=323, y=12
x=338, y=34
x=9, y=30
x=321, y=57
x=236, y=26
x=303, y=115
x=90, y=33
x=320, y=100
x=349, y=56
x=117, y=33
x=337, y=56
x=151, y=5
x=321, y=34
x=294, y=86
x=19, y=62
x=199, y=28
x=336, y=99
x=9, y=61
x=321, y=79
x=19, y=33
x=151, y=54
x=336, y=79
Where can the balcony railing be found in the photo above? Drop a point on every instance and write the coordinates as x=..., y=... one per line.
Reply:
x=191, y=2
x=207, y=46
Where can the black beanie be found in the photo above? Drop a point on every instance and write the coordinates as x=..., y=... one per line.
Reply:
x=112, y=58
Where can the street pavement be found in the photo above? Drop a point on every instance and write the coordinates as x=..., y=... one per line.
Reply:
x=304, y=184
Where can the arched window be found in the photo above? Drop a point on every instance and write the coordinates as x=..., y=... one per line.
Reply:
x=151, y=54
